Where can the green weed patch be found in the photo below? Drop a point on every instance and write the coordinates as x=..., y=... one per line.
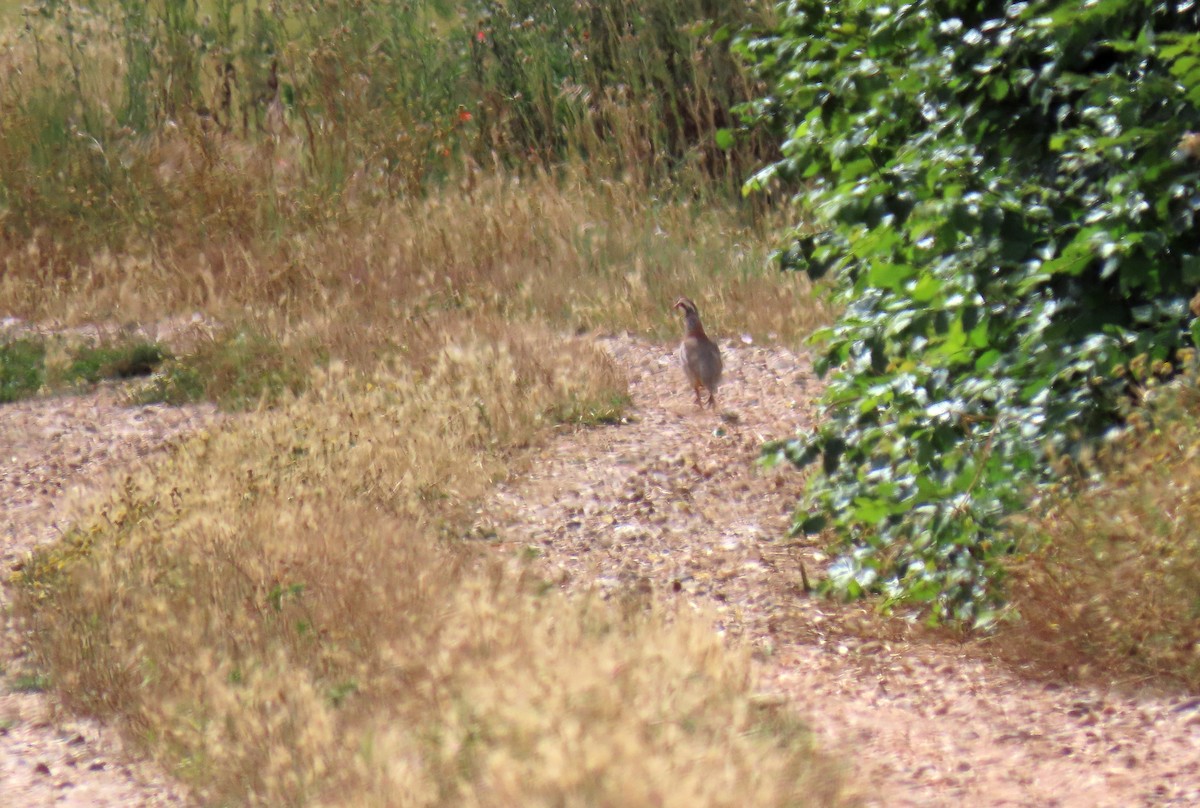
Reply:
x=22, y=369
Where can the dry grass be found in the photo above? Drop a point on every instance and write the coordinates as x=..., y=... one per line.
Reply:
x=102, y=222
x=287, y=610
x=284, y=612
x=547, y=248
x=1112, y=591
x=271, y=611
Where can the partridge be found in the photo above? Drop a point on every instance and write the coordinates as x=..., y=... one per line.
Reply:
x=700, y=357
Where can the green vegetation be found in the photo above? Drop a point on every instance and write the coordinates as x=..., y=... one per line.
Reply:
x=92, y=363
x=1006, y=198
x=21, y=369
x=237, y=368
x=29, y=683
x=30, y=363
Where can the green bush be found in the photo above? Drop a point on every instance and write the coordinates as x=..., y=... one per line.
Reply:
x=1007, y=198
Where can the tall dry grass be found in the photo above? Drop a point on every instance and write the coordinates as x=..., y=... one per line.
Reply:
x=125, y=193
x=547, y=247
x=1111, y=587
x=132, y=125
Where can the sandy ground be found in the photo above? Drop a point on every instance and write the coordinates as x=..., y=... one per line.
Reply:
x=673, y=504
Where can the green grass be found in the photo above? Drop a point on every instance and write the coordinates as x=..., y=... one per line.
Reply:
x=178, y=384
x=22, y=369
x=30, y=683
x=90, y=364
x=237, y=369
x=594, y=412
x=26, y=365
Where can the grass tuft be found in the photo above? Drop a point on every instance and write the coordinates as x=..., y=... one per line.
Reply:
x=29, y=364
x=594, y=412
x=92, y=363
x=238, y=368
x=116, y=362
x=22, y=369
x=29, y=683
x=1112, y=588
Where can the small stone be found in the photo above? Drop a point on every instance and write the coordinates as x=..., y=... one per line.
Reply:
x=43, y=769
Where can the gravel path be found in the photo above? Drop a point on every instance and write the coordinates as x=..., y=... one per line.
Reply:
x=672, y=505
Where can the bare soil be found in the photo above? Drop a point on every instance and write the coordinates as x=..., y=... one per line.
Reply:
x=669, y=505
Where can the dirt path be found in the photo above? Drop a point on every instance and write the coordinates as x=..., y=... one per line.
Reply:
x=671, y=504
x=48, y=447
x=668, y=505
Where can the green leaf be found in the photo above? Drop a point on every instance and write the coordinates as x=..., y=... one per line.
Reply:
x=870, y=511
x=890, y=276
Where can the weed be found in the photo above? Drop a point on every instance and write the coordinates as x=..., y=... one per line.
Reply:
x=30, y=683
x=22, y=368
x=237, y=368
x=177, y=384
x=594, y=412
x=93, y=363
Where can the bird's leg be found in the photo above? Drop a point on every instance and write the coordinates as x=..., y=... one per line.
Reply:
x=712, y=399
x=698, y=401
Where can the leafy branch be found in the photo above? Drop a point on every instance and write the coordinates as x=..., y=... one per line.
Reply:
x=1004, y=198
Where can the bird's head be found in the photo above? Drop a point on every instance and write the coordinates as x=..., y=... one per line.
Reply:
x=687, y=306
